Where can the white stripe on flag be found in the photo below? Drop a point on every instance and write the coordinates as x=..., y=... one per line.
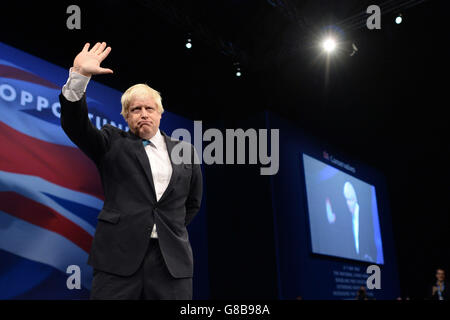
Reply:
x=34, y=188
x=41, y=245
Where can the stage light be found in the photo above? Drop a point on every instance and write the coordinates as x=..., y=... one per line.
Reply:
x=329, y=45
x=398, y=19
x=237, y=67
x=189, y=43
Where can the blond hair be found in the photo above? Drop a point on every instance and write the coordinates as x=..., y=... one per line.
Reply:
x=141, y=90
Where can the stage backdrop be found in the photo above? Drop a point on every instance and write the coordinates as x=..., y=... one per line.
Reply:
x=50, y=192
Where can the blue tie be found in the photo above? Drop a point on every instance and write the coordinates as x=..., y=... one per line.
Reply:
x=147, y=142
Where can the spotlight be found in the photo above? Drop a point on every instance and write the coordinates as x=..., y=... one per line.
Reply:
x=189, y=43
x=398, y=19
x=238, y=69
x=329, y=45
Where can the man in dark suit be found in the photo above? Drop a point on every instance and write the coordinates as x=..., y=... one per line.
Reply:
x=141, y=247
x=439, y=289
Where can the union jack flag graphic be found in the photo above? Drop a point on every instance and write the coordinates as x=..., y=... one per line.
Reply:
x=50, y=192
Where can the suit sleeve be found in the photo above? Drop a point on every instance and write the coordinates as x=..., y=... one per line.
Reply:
x=194, y=199
x=76, y=124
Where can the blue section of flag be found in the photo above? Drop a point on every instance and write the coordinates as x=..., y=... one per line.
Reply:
x=29, y=280
x=87, y=213
x=18, y=275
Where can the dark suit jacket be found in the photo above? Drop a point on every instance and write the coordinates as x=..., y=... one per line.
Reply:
x=436, y=295
x=130, y=207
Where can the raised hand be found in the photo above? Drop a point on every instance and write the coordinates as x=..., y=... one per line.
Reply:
x=87, y=62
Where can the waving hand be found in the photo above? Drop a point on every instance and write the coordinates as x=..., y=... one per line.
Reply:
x=87, y=62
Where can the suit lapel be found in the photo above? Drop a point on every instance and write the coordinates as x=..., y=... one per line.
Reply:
x=142, y=158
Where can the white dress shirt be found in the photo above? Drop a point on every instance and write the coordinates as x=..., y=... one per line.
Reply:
x=157, y=153
x=161, y=167
x=75, y=86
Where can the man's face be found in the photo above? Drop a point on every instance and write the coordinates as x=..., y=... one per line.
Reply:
x=440, y=275
x=350, y=196
x=143, y=117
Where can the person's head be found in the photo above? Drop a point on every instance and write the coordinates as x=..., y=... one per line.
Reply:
x=440, y=274
x=361, y=294
x=350, y=196
x=142, y=109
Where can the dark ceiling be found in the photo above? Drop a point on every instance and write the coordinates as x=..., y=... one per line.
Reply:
x=275, y=43
x=385, y=105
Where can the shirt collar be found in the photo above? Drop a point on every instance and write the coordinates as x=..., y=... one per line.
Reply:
x=157, y=139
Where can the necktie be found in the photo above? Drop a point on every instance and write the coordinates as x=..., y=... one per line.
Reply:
x=147, y=142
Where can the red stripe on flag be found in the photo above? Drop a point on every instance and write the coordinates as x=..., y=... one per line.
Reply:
x=45, y=217
x=62, y=165
x=14, y=73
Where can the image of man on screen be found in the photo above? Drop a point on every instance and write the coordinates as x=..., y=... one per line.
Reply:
x=361, y=224
x=343, y=213
x=141, y=247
